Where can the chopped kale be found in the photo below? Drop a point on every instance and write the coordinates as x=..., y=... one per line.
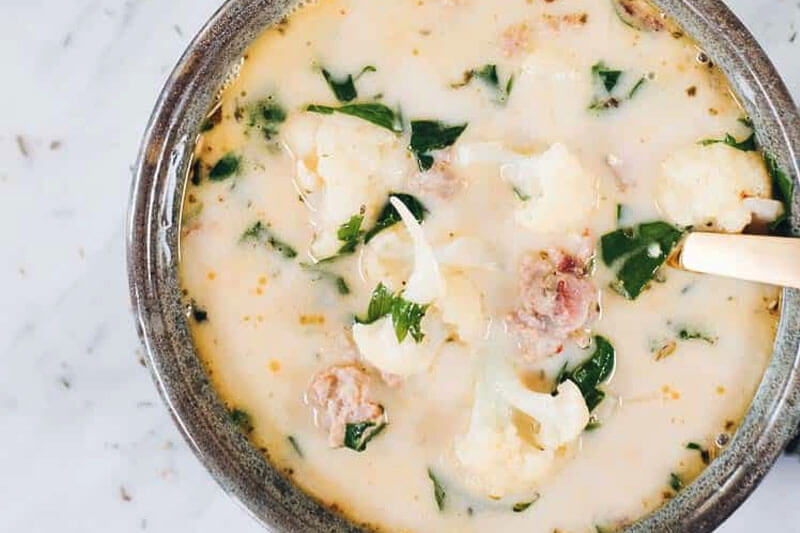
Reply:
x=642, y=249
x=295, y=445
x=592, y=372
x=227, y=166
x=746, y=145
x=242, y=419
x=406, y=316
x=357, y=436
x=373, y=112
x=522, y=506
x=196, y=172
x=609, y=77
x=344, y=88
x=350, y=233
x=389, y=215
x=260, y=232
x=439, y=493
x=430, y=135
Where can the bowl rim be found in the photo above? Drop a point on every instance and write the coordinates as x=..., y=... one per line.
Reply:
x=242, y=471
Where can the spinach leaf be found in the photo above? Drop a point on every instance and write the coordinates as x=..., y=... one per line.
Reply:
x=643, y=249
x=430, y=135
x=705, y=455
x=345, y=89
x=389, y=215
x=592, y=372
x=227, y=166
x=295, y=446
x=782, y=187
x=267, y=115
x=439, y=493
x=357, y=436
x=406, y=316
x=373, y=112
x=350, y=233
x=341, y=284
x=746, y=145
x=522, y=506
x=607, y=76
x=242, y=419
x=260, y=232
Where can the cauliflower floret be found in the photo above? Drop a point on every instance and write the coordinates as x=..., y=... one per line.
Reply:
x=716, y=187
x=494, y=456
x=556, y=193
x=342, y=164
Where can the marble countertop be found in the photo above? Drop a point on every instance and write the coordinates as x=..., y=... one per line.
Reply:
x=87, y=444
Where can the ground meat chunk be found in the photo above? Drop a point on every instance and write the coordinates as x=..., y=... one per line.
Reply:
x=558, y=302
x=340, y=396
x=640, y=14
x=440, y=181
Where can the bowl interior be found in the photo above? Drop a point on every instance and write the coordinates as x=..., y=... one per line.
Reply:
x=243, y=471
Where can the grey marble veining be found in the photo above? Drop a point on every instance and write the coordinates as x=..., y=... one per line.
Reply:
x=87, y=445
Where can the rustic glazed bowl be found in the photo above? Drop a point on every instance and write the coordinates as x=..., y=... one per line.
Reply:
x=153, y=254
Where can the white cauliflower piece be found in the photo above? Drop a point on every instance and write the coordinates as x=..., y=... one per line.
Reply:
x=425, y=283
x=715, y=186
x=342, y=163
x=495, y=457
x=557, y=193
x=377, y=343
x=462, y=307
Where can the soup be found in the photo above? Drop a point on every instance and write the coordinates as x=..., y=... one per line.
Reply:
x=424, y=248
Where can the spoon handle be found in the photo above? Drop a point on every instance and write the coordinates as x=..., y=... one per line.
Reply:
x=772, y=260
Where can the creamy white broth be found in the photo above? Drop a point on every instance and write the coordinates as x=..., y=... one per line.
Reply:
x=272, y=324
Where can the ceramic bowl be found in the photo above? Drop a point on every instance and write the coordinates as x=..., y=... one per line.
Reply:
x=153, y=252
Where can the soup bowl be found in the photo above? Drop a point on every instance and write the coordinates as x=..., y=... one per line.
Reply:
x=161, y=319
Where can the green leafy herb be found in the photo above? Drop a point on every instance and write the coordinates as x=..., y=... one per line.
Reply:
x=592, y=425
x=345, y=89
x=747, y=145
x=242, y=419
x=592, y=372
x=522, y=506
x=260, y=232
x=430, y=135
x=295, y=446
x=488, y=75
x=642, y=249
x=339, y=282
x=608, y=93
x=357, y=436
x=686, y=334
x=267, y=115
x=350, y=233
x=389, y=215
x=378, y=114
x=705, y=456
x=675, y=482
x=609, y=77
x=782, y=186
x=227, y=166
x=406, y=316
x=439, y=493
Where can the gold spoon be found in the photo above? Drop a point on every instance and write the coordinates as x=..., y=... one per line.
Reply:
x=771, y=260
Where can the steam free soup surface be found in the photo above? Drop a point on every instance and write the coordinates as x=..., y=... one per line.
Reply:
x=551, y=124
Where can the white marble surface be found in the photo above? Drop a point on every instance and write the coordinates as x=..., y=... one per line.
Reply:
x=86, y=444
